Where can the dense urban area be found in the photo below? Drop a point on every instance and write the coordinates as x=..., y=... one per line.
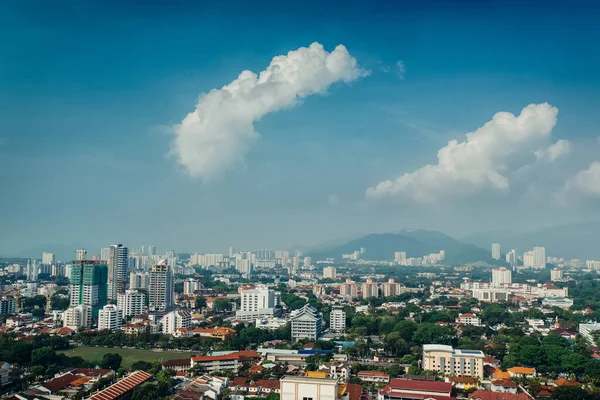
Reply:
x=126, y=323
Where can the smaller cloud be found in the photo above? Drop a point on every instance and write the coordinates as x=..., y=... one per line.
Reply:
x=400, y=69
x=585, y=182
x=553, y=152
x=333, y=200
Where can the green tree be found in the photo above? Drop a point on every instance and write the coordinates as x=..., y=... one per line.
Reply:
x=111, y=361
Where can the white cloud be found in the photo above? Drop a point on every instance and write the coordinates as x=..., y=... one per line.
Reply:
x=467, y=167
x=219, y=132
x=400, y=69
x=553, y=152
x=585, y=182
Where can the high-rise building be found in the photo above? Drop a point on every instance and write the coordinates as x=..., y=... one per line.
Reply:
x=257, y=303
x=110, y=318
x=369, y=289
x=244, y=267
x=105, y=254
x=501, y=276
x=47, y=258
x=528, y=259
x=190, y=285
x=151, y=250
x=33, y=269
x=80, y=254
x=7, y=305
x=160, y=287
x=349, y=289
x=307, y=323
x=329, y=272
x=496, y=251
x=511, y=258
x=139, y=280
x=89, y=284
x=337, y=320
x=117, y=270
x=78, y=317
x=556, y=275
x=539, y=257
x=131, y=302
x=175, y=320
x=390, y=288
x=400, y=257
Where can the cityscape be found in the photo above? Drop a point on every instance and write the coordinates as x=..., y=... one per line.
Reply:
x=358, y=200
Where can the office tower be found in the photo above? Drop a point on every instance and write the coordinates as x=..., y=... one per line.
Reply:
x=105, y=254
x=33, y=270
x=160, y=287
x=175, y=320
x=131, y=302
x=110, y=318
x=400, y=257
x=190, y=285
x=539, y=257
x=117, y=270
x=78, y=317
x=511, y=258
x=390, y=288
x=329, y=272
x=47, y=258
x=151, y=250
x=337, y=321
x=556, y=275
x=369, y=289
x=496, y=251
x=261, y=302
x=139, y=280
x=307, y=323
x=89, y=284
x=501, y=276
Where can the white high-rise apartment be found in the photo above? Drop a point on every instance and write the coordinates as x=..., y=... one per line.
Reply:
x=528, y=259
x=47, y=258
x=105, y=254
x=501, y=276
x=258, y=303
x=511, y=258
x=139, y=280
x=160, y=287
x=496, y=251
x=390, y=288
x=131, y=302
x=190, y=285
x=337, y=321
x=329, y=272
x=307, y=323
x=80, y=254
x=117, y=270
x=556, y=275
x=539, y=257
x=110, y=317
x=244, y=267
x=78, y=317
x=175, y=320
x=400, y=257
x=33, y=270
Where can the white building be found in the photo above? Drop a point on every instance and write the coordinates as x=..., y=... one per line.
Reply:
x=587, y=331
x=270, y=323
x=303, y=388
x=390, y=288
x=468, y=319
x=160, y=287
x=501, y=276
x=450, y=361
x=105, y=254
x=400, y=257
x=78, y=317
x=139, y=280
x=369, y=289
x=496, y=251
x=47, y=258
x=511, y=258
x=131, y=303
x=260, y=302
x=560, y=302
x=556, y=275
x=110, y=317
x=307, y=323
x=539, y=257
x=337, y=321
x=80, y=255
x=190, y=285
x=175, y=320
x=329, y=272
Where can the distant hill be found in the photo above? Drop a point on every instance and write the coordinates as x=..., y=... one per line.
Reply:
x=579, y=240
x=416, y=243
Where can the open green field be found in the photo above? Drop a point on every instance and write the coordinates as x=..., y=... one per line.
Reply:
x=130, y=356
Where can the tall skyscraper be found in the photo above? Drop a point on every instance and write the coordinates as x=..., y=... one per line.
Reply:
x=117, y=271
x=511, y=258
x=105, y=254
x=496, y=251
x=160, y=287
x=89, y=284
x=539, y=257
x=33, y=270
x=47, y=258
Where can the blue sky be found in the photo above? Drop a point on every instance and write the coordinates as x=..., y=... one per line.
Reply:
x=89, y=92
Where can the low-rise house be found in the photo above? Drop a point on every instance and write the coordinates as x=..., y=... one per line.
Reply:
x=232, y=361
x=521, y=372
x=463, y=382
x=504, y=386
x=123, y=388
x=409, y=389
x=487, y=395
x=373, y=376
x=178, y=365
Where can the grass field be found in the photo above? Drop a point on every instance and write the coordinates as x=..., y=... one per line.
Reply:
x=130, y=356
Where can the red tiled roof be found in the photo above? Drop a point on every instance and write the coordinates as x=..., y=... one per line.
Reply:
x=485, y=395
x=268, y=383
x=176, y=362
x=93, y=371
x=123, y=386
x=59, y=383
x=239, y=381
x=239, y=355
x=354, y=391
x=372, y=373
x=409, y=384
x=504, y=383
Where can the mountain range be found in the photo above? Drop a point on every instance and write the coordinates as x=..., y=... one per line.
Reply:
x=416, y=243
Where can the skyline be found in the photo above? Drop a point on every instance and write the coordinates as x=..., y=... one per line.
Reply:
x=91, y=151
